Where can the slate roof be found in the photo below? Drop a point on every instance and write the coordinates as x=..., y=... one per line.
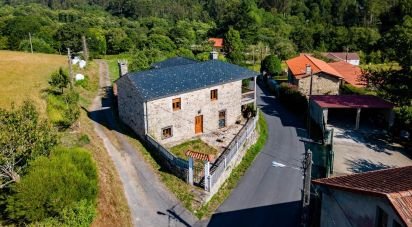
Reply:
x=298, y=64
x=351, y=73
x=394, y=184
x=173, y=62
x=168, y=81
x=351, y=101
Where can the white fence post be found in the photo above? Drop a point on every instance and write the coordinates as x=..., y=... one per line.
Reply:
x=225, y=162
x=190, y=170
x=207, y=178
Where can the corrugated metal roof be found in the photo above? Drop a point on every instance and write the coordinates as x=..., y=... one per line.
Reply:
x=394, y=184
x=171, y=62
x=164, y=82
x=350, y=101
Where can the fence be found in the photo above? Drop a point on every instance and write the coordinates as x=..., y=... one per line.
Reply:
x=176, y=165
x=229, y=156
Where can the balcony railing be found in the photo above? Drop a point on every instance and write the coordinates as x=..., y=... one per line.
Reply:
x=248, y=96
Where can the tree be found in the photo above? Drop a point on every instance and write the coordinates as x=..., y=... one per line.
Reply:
x=59, y=79
x=23, y=137
x=54, y=185
x=233, y=46
x=272, y=65
x=139, y=62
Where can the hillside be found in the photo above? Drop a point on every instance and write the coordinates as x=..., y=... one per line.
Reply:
x=25, y=75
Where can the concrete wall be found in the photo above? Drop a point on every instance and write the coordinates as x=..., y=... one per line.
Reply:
x=341, y=209
x=130, y=106
x=160, y=112
x=322, y=84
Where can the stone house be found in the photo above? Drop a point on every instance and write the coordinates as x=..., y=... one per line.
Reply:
x=182, y=98
x=325, y=79
x=381, y=198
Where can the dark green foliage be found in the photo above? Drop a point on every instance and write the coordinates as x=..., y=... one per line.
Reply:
x=292, y=98
x=39, y=45
x=352, y=90
x=59, y=186
x=272, y=65
x=59, y=80
x=63, y=109
x=233, y=46
x=403, y=117
x=23, y=137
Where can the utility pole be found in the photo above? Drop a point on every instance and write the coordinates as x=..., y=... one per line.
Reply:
x=31, y=44
x=69, y=58
x=307, y=165
x=85, y=50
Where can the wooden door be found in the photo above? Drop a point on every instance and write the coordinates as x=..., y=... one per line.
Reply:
x=199, y=124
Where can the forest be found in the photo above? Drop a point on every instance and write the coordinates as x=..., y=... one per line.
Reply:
x=167, y=28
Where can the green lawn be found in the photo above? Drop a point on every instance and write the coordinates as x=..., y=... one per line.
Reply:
x=193, y=145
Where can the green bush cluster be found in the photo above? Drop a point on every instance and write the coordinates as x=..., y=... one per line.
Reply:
x=291, y=97
x=61, y=188
x=403, y=118
x=63, y=109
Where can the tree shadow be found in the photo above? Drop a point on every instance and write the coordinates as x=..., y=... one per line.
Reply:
x=364, y=165
x=284, y=214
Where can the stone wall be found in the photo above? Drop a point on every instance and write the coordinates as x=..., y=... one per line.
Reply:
x=322, y=84
x=130, y=106
x=161, y=114
x=340, y=208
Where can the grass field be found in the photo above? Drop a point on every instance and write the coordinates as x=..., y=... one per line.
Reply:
x=193, y=145
x=25, y=75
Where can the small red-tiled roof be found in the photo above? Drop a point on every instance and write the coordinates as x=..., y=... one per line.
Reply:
x=298, y=64
x=351, y=101
x=342, y=56
x=394, y=184
x=217, y=42
x=199, y=155
x=351, y=73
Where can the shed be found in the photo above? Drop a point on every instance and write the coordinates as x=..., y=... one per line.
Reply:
x=319, y=106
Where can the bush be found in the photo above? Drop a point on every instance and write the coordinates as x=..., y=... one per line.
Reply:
x=403, y=117
x=83, y=83
x=63, y=110
x=291, y=97
x=56, y=187
x=272, y=65
x=352, y=90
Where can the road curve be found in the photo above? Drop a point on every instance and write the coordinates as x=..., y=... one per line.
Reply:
x=269, y=195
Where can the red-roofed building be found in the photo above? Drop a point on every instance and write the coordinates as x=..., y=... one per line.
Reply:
x=376, y=198
x=326, y=80
x=217, y=44
x=351, y=74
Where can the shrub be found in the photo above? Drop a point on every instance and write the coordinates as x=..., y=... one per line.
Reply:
x=291, y=97
x=63, y=110
x=403, y=117
x=352, y=90
x=272, y=65
x=56, y=187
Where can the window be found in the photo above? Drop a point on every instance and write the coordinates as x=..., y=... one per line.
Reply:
x=177, y=104
x=167, y=132
x=222, y=118
x=381, y=218
x=213, y=94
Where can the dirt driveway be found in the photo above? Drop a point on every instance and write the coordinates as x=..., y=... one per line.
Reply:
x=365, y=150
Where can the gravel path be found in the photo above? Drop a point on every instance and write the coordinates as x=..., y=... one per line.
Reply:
x=151, y=204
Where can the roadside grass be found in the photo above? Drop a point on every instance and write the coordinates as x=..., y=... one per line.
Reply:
x=185, y=193
x=25, y=75
x=383, y=66
x=237, y=173
x=113, y=67
x=194, y=145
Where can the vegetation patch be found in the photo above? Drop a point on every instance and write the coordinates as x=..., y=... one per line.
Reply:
x=194, y=145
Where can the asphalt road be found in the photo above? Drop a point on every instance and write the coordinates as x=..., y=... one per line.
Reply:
x=150, y=203
x=268, y=195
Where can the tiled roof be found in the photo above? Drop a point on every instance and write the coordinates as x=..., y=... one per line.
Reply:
x=298, y=64
x=217, y=42
x=342, y=56
x=350, y=73
x=173, y=62
x=394, y=184
x=163, y=82
x=199, y=156
x=350, y=101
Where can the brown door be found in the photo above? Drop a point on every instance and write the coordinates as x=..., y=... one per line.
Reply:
x=199, y=124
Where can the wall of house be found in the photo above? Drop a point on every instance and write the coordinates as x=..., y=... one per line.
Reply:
x=342, y=208
x=161, y=114
x=322, y=84
x=130, y=106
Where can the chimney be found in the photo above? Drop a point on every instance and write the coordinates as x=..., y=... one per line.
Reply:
x=213, y=55
x=308, y=69
x=122, y=67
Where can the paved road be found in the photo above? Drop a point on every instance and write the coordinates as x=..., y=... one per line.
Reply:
x=267, y=195
x=150, y=203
